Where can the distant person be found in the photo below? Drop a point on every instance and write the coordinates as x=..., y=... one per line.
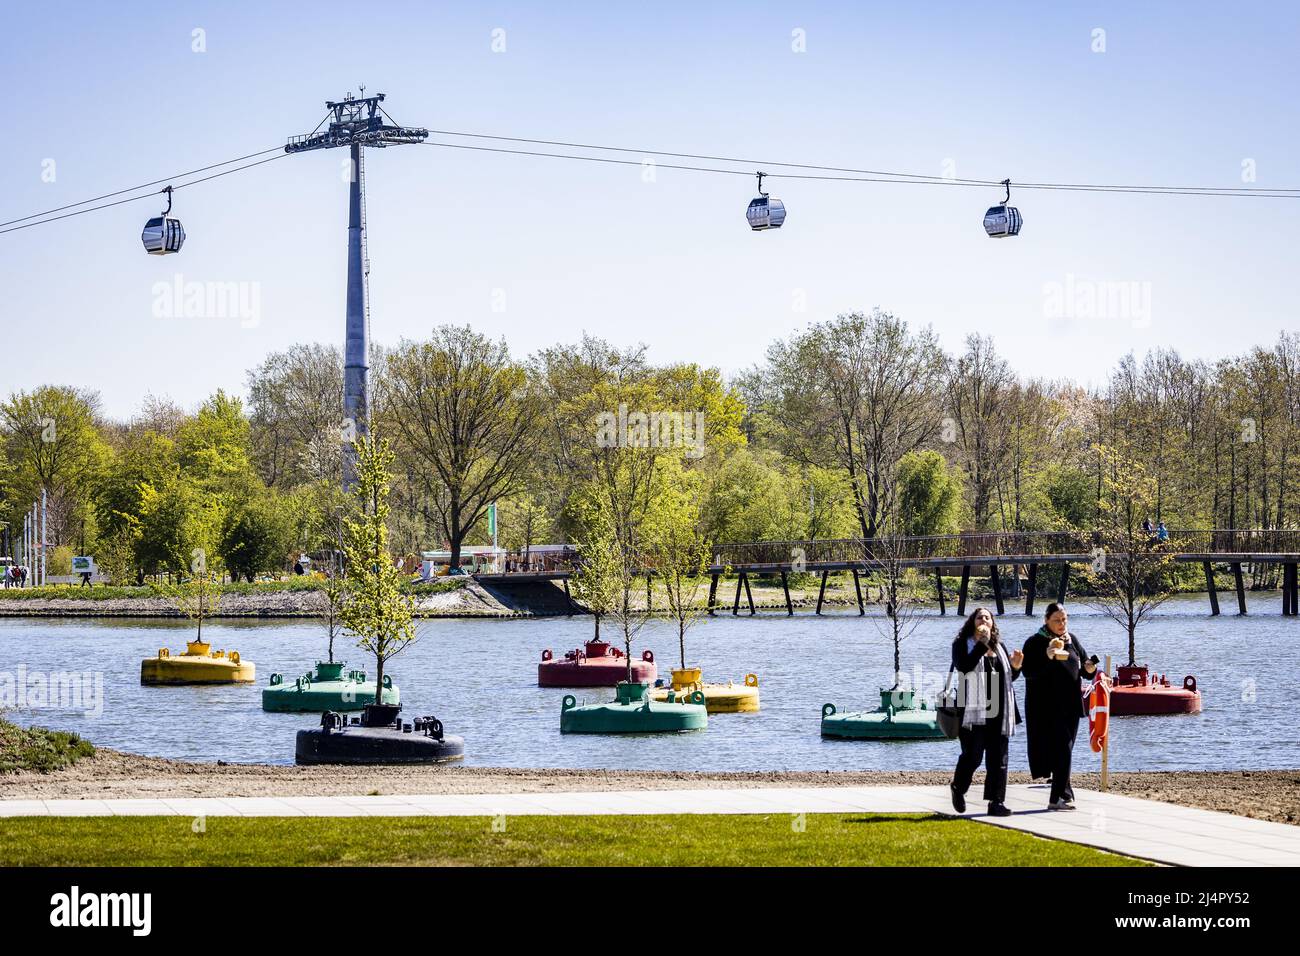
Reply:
x=85, y=579
x=1053, y=664
x=22, y=576
x=298, y=569
x=989, y=712
x=1162, y=533
x=1146, y=525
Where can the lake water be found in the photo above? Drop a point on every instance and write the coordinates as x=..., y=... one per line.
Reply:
x=480, y=678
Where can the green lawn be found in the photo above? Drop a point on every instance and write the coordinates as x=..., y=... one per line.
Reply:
x=667, y=840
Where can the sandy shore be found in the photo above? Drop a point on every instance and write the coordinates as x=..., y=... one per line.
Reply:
x=1264, y=794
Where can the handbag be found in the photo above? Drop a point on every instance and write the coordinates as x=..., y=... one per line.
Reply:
x=947, y=713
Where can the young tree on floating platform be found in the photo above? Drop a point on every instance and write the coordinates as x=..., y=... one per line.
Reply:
x=197, y=594
x=597, y=578
x=334, y=598
x=886, y=556
x=376, y=610
x=1129, y=573
x=678, y=554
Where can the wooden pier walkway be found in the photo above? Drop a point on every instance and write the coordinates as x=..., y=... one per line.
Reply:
x=978, y=554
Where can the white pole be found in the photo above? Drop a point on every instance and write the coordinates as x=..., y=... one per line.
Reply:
x=1105, y=745
x=44, y=532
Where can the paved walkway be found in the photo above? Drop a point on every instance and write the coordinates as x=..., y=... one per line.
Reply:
x=1162, y=832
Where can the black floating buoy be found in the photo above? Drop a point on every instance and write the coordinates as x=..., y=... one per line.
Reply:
x=377, y=737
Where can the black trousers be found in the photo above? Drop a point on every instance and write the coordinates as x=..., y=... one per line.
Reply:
x=983, y=743
x=1062, y=756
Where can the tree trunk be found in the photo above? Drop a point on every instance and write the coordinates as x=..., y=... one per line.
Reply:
x=1132, y=644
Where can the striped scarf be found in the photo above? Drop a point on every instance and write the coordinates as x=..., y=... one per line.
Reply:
x=977, y=703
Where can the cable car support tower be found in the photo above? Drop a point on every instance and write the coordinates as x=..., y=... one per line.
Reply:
x=356, y=122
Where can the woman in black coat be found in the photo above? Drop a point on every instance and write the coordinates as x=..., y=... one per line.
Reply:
x=1053, y=662
x=989, y=712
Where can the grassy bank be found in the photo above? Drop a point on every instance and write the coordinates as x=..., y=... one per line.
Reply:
x=39, y=750
x=666, y=840
x=110, y=592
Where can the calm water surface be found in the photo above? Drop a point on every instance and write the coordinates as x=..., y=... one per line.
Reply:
x=480, y=677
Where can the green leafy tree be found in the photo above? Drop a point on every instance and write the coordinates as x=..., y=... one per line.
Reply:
x=463, y=419
x=257, y=536
x=929, y=496
x=376, y=611
x=50, y=440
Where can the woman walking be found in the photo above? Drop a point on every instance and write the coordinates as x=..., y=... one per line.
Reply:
x=1053, y=661
x=989, y=712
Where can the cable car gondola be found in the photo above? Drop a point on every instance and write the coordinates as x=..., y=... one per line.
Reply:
x=1002, y=221
x=163, y=234
x=764, y=213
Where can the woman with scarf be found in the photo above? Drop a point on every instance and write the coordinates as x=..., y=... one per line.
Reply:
x=1053, y=662
x=989, y=712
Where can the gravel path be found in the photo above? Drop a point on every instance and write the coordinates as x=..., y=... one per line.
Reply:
x=1264, y=794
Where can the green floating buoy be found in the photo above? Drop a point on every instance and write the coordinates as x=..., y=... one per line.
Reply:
x=328, y=687
x=634, y=712
x=900, y=717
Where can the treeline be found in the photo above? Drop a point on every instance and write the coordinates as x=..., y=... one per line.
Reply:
x=856, y=426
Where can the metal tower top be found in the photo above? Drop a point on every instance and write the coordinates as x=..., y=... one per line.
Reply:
x=357, y=122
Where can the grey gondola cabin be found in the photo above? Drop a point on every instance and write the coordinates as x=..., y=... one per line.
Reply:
x=163, y=234
x=1004, y=220
x=764, y=212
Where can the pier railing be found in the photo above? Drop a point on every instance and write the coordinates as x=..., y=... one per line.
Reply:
x=994, y=544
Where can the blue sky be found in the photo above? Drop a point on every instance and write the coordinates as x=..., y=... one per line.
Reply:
x=115, y=95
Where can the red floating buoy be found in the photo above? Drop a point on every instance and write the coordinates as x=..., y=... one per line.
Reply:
x=596, y=665
x=1136, y=692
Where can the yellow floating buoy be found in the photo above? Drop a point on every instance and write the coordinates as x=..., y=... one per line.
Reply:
x=728, y=698
x=200, y=664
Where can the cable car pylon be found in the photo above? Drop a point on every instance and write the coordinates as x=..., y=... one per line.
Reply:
x=356, y=123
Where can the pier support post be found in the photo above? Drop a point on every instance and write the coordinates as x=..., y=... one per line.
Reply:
x=996, y=580
x=713, y=592
x=785, y=585
x=1030, y=587
x=1295, y=590
x=1065, y=583
x=938, y=586
x=740, y=583
x=963, y=590
x=1209, y=586
x=857, y=586
x=821, y=594
x=1241, y=587
x=749, y=595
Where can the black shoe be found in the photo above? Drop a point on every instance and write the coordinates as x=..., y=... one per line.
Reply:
x=998, y=810
x=958, y=799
